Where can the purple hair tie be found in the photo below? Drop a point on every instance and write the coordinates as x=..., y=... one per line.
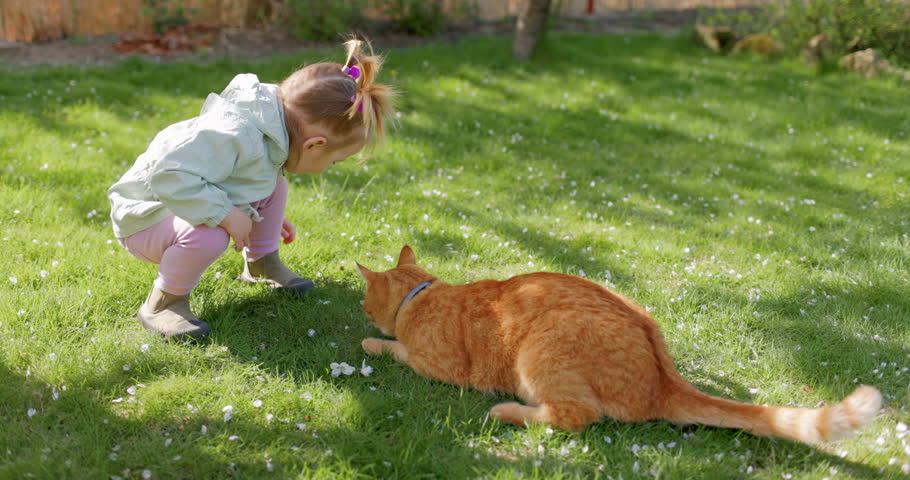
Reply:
x=353, y=71
x=359, y=107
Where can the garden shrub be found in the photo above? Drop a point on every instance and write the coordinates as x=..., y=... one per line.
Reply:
x=166, y=15
x=419, y=17
x=848, y=25
x=323, y=20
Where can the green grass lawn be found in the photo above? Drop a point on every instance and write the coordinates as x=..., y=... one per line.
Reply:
x=759, y=210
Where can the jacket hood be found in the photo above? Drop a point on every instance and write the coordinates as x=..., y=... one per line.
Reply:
x=256, y=102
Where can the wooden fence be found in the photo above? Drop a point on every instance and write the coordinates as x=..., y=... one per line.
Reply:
x=39, y=20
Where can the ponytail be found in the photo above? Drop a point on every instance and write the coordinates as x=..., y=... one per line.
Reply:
x=372, y=100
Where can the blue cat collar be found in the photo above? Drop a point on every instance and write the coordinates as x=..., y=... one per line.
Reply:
x=413, y=293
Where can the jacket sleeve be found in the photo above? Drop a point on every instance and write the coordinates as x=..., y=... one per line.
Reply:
x=190, y=165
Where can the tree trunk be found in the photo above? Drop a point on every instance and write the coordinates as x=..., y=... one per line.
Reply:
x=530, y=27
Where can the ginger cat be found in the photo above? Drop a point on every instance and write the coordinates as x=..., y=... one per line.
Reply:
x=573, y=350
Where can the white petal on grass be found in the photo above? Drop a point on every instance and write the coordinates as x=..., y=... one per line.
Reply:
x=301, y=426
x=204, y=430
x=31, y=412
x=341, y=369
x=146, y=474
x=365, y=369
x=228, y=410
x=233, y=438
x=257, y=403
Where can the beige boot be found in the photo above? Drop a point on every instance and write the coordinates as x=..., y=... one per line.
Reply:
x=270, y=270
x=170, y=315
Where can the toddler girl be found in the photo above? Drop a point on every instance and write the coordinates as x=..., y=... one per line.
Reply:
x=219, y=176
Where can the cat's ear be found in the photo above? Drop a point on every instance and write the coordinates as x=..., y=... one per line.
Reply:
x=407, y=257
x=365, y=272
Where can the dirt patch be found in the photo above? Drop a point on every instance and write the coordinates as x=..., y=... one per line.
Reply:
x=231, y=42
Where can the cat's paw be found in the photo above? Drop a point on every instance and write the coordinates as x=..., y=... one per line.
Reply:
x=373, y=346
x=509, y=412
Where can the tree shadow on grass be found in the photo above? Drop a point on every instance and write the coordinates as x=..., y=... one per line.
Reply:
x=830, y=359
x=808, y=324
x=71, y=422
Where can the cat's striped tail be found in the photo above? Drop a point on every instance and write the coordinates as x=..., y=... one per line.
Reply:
x=808, y=425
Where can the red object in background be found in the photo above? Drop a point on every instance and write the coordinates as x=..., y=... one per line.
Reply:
x=590, y=7
x=183, y=38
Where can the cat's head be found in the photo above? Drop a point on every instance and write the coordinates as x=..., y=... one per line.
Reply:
x=386, y=290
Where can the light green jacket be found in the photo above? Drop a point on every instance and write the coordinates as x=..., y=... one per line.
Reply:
x=197, y=169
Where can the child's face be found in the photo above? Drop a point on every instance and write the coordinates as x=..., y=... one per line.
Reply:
x=317, y=154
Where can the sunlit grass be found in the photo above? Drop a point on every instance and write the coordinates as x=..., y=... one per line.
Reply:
x=759, y=211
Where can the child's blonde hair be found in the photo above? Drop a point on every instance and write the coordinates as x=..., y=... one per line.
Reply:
x=325, y=93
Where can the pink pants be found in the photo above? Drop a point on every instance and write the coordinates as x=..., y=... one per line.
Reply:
x=183, y=251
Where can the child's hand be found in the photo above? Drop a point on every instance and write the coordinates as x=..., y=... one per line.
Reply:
x=238, y=226
x=288, y=233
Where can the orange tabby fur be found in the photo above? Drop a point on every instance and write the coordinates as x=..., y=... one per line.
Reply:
x=572, y=350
